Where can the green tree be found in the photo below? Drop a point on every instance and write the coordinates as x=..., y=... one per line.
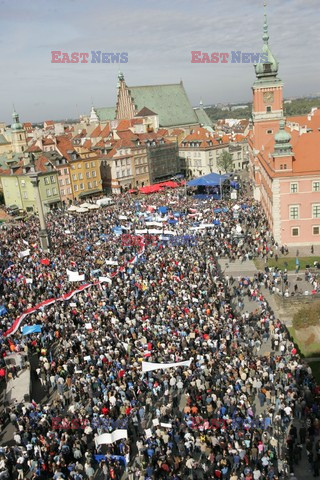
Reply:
x=225, y=162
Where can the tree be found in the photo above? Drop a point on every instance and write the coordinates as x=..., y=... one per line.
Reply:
x=225, y=162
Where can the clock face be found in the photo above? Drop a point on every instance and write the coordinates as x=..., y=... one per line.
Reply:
x=268, y=97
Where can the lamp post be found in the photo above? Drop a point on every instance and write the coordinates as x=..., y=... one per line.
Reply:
x=43, y=233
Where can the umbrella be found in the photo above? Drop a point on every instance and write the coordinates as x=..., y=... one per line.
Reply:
x=81, y=210
x=92, y=206
x=73, y=208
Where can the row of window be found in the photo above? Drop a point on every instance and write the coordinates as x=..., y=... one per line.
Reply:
x=80, y=176
x=73, y=167
x=123, y=173
x=295, y=231
x=90, y=185
x=47, y=180
x=294, y=187
x=141, y=170
x=294, y=211
x=50, y=193
x=123, y=162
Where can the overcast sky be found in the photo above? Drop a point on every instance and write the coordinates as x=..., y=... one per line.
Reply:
x=159, y=36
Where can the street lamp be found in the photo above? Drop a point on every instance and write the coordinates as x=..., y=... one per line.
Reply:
x=43, y=233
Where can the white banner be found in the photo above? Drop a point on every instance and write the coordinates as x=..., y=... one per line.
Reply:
x=111, y=262
x=105, y=279
x=25, y=253
x=75, y=277
x=149, y=366
x=107, y=438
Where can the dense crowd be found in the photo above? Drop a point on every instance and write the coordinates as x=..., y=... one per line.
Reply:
x=165, y=302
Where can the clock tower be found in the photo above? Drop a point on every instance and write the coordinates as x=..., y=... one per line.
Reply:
x=267, y=110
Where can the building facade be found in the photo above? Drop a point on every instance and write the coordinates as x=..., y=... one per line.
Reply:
x=284, y=162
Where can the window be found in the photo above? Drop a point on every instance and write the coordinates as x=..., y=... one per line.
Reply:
x=46, y=181
x=295, y=231
x=118, y=174
x=79, y=165
x=75, y=188
x=65, y=171
x=316, y=230
x=69, y=191
x=128, y=172
x=93, y=164
x=48, y=191
x=281, y=167
x=316, y=186
x=87, y=165
x=294, y=212
x=268, y=109
x=94, y=174
x=52, y=179
x=269, y=131
x=81, y=186
x=123, y=173
x=285, y=166
x=316, y=210
x=67, y=181
x=88, y=174
x=61, y=183
x=94, y=183
x=54, y=191
x=62, y=191
x=128, y=161
x=25, y=195
x=89, y=185
x=80, y=176
x=73, y=167
x=293, y=187
x=23, y=183
x=74, y=176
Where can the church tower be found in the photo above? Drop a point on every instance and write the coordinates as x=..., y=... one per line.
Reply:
x=125, y=107
x=267, y=110
x=18, y=135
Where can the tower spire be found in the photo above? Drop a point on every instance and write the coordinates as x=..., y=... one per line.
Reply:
x=265, y=36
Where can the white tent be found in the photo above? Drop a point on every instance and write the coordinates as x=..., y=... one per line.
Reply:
x=81, y=210
x=73, y=208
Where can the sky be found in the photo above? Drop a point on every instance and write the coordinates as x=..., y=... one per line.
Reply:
x=158, y=36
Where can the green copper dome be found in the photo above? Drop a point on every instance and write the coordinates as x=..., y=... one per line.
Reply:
x=16, y=124
x=268, y=65
x=282, y=139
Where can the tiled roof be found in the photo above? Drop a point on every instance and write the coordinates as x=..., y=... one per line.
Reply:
x=48, y=141
x=203, y=117
x=170, y=102
x=63, y=145
x=106, y=113
x=127, y=134
x=3, y=140
x=87, y=144
x=33, y=148
x=145, y=112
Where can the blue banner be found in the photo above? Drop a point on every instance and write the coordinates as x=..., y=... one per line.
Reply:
x=3, y=310
x=31, y=329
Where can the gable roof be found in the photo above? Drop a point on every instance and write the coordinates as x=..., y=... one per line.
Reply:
x=106, y=113
x=144, y=112
x=3, y=140
x=169, y=101
x=203, y=117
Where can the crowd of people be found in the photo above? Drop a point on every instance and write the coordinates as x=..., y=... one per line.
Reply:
x=228, y=415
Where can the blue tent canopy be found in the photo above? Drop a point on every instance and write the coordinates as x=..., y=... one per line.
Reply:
x=211, y=180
